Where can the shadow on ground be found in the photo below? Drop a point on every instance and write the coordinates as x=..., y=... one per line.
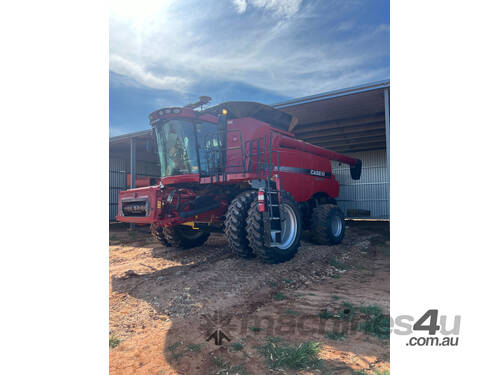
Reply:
x=179, y=286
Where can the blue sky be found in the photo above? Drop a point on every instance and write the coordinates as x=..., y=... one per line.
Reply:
x=169, y=52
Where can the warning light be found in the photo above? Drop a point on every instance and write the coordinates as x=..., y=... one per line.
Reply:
x=224, y=111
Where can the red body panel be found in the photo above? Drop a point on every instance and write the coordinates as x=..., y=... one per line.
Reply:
x=184, y=178
x=300, y=183
x=151, y=193
x=303, y=185
x=142, y=181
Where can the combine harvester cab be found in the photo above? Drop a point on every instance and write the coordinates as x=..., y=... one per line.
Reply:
x=237, y=168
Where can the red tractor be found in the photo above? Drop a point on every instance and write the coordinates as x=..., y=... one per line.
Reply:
x=237, y=168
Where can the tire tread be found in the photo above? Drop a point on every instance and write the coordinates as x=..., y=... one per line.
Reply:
x=175, y=238
x=235, y=224
x=320, y=228
x=157, y=233
x=256, y=235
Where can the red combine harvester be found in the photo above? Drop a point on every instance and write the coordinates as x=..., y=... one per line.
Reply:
x=237, y=168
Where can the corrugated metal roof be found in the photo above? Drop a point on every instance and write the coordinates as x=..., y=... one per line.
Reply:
x=345, y=120
x=119, y=146
x=335, y=93
x=126, y=137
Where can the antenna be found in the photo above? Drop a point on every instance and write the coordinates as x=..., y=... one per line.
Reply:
x=202, y=101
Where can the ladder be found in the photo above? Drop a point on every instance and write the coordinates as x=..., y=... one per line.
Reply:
x=264, y=167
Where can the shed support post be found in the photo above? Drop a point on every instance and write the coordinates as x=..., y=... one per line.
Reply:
x=388, y=147
x=132, y=168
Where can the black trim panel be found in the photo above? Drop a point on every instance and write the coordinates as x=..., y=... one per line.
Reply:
x=310, y=172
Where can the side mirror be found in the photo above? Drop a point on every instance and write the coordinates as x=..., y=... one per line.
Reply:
x=356, y=170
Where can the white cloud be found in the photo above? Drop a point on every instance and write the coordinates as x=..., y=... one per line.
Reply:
x=279, y=8
x=241, y=5
x=137, y=13
x=175, y=45
x=128, y=68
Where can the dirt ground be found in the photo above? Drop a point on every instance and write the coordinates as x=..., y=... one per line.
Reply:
x=165, y=302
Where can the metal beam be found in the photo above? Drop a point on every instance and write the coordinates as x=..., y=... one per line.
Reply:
x=381, y=146
x=388, y=145
x=132, y=162
x=343, y=131
x=332, y=124
x=380, y=131
x=359, y=147
x=132, y=168
x=355, y=141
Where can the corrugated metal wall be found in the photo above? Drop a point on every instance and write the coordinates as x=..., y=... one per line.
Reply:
x=371, y=191
x=118, y=170
x=117, y=181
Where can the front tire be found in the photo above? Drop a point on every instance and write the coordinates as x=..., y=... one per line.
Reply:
x=291, y=232
x=328, y=225
x=157, y=232
x=185, y=237
x=235, y=224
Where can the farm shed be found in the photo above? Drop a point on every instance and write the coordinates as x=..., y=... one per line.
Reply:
x=354, y=121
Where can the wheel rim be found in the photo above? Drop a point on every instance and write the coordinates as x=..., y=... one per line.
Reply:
x=336, y=226
x=288, y=227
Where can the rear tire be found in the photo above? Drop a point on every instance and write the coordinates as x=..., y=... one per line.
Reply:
x=328, y=225
x=235, y=224
x=157, y=232
x=185, y=237
x=291, y=241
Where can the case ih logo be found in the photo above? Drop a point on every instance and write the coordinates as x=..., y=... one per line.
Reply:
x=317, y=173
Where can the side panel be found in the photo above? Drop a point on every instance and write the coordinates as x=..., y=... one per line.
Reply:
x=303, y=175
x=239, y=131
x=150, y=194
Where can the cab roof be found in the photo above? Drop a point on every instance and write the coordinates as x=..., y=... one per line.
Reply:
x=258, y=111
